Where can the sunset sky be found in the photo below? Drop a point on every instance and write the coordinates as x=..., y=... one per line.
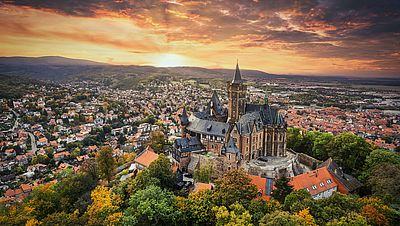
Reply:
x=347, y=37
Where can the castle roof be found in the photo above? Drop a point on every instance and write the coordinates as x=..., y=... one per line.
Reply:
x=188, y=144
x=216, y=104
x=231, y=147
x=184, y=117
x=208, y=127
x=237, y=77
x=257, y=116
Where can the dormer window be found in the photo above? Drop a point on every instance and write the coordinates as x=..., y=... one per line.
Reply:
x=209, y=127
x=329, y=181
x=314, y=187
x=321, y=184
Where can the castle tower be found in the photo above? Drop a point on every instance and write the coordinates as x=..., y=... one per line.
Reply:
x=184, y=122
x=236, y=96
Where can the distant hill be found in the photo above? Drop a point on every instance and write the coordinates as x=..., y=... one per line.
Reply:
x=61, y=68
x=126, y=76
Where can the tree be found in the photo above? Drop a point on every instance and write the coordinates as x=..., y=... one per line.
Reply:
x=297, y=200
x=236, y=215
x=62, y=218
x=197, y=208
x=151, y=206
x=233, y=187
x=384, y=182
x=43, y=201
x=157, y=141
x=378, y=157
x=320, y=143
x=203, y=175
x=104, y=209
x=307, y=217
x=282, y=218
x=353, y=219
x=258, y=208
x=349, y=151
x=75, y=153
x=105, y=162
x=377, y=212
x=282, y=189
x=158, y=173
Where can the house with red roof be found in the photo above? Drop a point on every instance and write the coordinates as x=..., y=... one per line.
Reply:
x=319, y=183
x=144, y=159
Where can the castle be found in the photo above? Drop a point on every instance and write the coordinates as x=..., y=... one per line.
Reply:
x=242, y=133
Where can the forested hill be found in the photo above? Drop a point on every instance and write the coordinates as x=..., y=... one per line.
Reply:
x=61, y=69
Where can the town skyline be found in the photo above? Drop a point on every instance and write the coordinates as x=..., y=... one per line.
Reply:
x=279, y=37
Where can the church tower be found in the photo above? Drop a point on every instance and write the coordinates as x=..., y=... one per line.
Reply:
x=236, y=96
x=184, y=122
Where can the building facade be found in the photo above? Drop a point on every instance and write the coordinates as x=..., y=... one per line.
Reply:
x=242, y=132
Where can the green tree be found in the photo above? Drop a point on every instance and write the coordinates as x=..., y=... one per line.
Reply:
x=384, y=182
x=105, y=162
x=152, y=206
x=298, y=200
x=320, y=143
x=282, y=218
x=158, y=173
x=258, y=208
x=349, y=151
x=282, y=189
x=352, y=219
x=234, y=186
x=378, y=157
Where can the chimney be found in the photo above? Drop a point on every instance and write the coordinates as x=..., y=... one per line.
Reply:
x=316, y=173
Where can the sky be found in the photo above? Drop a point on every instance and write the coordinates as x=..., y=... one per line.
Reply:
x=358, y=38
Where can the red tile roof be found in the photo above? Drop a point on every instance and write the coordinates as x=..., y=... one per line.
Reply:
x=260, y=183
x=146, y=157
x=202, y=187
x=316, y=181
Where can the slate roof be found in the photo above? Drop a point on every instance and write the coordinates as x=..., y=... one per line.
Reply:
x=208, y=127
x=184, y=117
x=345, y=181
x=216, y=104
x=237, y=77
x=269, y=115
x=231, y=147
x=188, y=144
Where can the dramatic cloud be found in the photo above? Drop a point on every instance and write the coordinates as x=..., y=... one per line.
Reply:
x=349, y=37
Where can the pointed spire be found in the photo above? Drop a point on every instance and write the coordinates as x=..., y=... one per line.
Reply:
x=184, y=117
x=237, y=78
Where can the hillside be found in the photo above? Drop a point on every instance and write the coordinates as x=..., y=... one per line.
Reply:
x=127, y=76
